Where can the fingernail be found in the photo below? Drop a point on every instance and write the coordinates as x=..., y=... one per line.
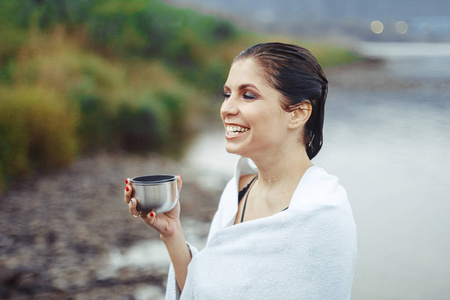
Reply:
x=127, y=189
x=126, y=181
x=181, y=177
x=152, y=214
x=136, y=216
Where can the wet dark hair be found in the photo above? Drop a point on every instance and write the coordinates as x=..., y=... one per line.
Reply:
x=295, y=73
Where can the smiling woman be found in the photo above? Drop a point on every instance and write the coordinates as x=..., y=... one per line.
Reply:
x=293, y=237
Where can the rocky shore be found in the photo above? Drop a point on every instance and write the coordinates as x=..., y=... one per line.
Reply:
x=58, y=230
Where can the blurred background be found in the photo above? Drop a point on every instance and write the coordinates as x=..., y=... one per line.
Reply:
x=93, y=92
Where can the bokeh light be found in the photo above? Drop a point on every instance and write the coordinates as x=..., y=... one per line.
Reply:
x=401, y=27
x=376, y=27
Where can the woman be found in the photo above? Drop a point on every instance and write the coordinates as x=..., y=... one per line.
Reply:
x=283, y=229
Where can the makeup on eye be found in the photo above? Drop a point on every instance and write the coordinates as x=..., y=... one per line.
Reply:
x=246, y=95
x=249, y=96
x=247, y=91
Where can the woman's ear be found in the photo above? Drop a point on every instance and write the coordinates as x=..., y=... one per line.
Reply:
x=300, y=115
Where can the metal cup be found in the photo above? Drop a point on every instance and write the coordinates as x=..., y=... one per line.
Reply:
x=155, y=192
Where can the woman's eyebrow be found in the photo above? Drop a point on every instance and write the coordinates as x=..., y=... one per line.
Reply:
x=247, y=85
x=243, y=86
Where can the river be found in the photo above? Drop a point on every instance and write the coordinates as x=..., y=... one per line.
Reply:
x=387, y=137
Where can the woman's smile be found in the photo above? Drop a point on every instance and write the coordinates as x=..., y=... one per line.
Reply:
x=234, y=131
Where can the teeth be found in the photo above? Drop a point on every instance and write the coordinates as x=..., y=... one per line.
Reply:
x=234, y=130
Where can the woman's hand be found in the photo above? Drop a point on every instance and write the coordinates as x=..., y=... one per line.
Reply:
x=169, y=226
x=165, y=223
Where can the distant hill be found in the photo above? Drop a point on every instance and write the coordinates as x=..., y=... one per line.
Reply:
x=426, y=20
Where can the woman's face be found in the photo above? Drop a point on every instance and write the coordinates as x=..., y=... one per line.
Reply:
x=252, y=115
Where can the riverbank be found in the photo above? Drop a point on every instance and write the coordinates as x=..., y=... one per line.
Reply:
x=58, y=228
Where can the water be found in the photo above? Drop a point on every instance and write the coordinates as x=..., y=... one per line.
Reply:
x=394, y=164
x=397, y=176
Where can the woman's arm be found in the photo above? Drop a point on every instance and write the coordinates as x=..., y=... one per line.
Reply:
x=169, y=227
x=179, y=254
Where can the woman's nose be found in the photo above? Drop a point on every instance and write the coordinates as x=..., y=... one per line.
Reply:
x=229, y=108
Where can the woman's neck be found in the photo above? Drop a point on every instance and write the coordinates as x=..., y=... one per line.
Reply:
x=282, y=171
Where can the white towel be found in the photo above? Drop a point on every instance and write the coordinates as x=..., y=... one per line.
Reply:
x=305, y=252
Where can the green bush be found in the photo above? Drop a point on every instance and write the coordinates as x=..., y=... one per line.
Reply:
x=141, y=129
x=96, y=125
x=155, y=122
x=38, y=130
x=14, y=142
x=126, y=28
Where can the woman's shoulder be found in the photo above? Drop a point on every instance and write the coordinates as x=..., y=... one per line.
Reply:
x=318, y=187
x=244, y=181
x=235, y=186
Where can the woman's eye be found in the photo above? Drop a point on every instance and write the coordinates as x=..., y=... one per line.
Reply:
x=226, y=95
x=249, y=95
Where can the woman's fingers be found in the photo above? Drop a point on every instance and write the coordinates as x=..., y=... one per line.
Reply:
x=132, y=207
x=149, y=218
x=127, y=191
x=158, y=222
x=179, y=183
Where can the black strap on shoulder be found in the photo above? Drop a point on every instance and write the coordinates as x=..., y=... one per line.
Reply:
x=244, y=190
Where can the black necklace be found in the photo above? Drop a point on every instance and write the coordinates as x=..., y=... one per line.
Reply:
x=246, y=197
